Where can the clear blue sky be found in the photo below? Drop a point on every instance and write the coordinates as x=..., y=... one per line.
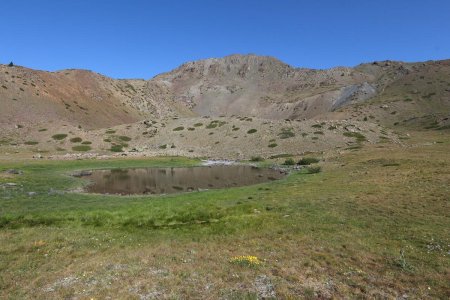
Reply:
x=139, y=39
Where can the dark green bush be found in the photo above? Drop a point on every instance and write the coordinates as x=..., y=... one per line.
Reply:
x=59, y=136
x=82, y=148
x=76, y=140
x=289, y=162
x=256, y=158
x=313, y=169
x=307, y=161
x=286, y=133
x=252, y=131
x=358, y=136
x=273, y=145
x=179, y=128
x=116, y=148
x=124, y=138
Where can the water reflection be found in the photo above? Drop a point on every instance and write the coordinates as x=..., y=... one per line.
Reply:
x=176, y=180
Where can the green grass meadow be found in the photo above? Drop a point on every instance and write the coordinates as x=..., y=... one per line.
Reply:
x=368, y=226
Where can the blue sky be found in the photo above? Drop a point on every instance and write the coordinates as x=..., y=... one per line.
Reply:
x=139, y=39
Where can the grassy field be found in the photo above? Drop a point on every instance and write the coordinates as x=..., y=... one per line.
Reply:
x=375, y=223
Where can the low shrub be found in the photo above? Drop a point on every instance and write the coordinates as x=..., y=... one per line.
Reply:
x=124, y=138
x=86, y=143
x=289, y=162
x=307, y=161
x=116, y=148
x=82, y=148
x=313, y=169
x=179, y=128
x=76, y=140
x=273, y=145
x=286, y=133
x=282, y=155
x=252, y=131
x=59, y=136
x=256, y=158
x=358, y=136
x=31, y=143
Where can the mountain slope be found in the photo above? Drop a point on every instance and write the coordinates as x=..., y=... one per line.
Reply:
x=246, y=85
x=77, y=97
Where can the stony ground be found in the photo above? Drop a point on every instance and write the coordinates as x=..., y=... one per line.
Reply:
x=221, y=137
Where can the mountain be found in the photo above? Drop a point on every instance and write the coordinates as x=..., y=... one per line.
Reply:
x=292, y=109
x=249, y=85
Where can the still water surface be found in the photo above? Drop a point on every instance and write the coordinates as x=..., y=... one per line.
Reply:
x=176, y=180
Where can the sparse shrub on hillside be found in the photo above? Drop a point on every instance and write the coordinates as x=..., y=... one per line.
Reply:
x=307, y=161
x=191, y=128
x=81, y=148
x=286, y=133
x=211, y=125
x=124, y=138
x=198, y=124
x=116, y=148
x=163, y=146
x=318, y=132
x=256, y=158
x=332, y=127
x=179, y=128
x=314, y=138
x=31, y=143
x=236, y=128
x=252, y=131
x=110, y=131
x=317, y=126
x=86, y=143
x=107, y=140
x=358, y=136
x=289, y=162
x=59, y=136
x=282, y=155
x=304, y=134
x=5, y=87
x=313, y=169
x=273, y=145
x=42, y=129
x=76, y=140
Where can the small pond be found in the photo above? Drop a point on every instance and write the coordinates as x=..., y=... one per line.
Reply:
x=176, y=180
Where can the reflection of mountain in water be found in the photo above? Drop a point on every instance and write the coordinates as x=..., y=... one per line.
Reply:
x=175, y=180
